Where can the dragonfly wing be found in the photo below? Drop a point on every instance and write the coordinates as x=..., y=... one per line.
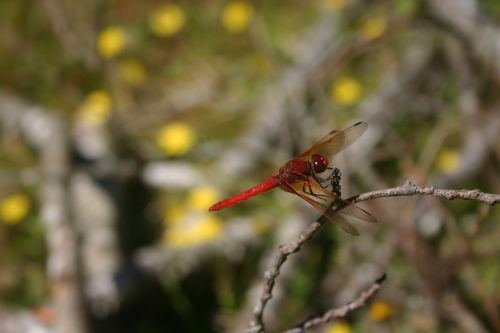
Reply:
x=322, y=204
x=353, y=211
x=344, y=225
x=322, y=199
x=347, y=208
x=335, y=141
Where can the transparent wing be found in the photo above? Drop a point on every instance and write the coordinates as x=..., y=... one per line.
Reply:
x=335, y=141
x=323, y=200
x=324, y=209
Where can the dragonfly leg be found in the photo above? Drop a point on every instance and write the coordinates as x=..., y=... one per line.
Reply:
x=321, y=181
x=306, y=188
x=331, y=174
x=335, y=181
x=332, y=180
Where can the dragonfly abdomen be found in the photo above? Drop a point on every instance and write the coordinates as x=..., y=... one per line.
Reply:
x=266, y=185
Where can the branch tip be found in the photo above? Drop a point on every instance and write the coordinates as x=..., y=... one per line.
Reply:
x=382, y=278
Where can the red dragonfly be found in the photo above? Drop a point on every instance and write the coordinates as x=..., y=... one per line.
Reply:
x=309, y=175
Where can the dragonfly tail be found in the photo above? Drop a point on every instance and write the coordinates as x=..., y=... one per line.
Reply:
x=266, y=185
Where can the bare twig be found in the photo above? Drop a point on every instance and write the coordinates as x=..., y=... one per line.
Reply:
x=341, y=311
x=257, y=324
x=411, y=189
x=407, y=189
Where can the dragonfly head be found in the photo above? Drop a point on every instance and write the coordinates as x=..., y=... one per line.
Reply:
x=319, y=163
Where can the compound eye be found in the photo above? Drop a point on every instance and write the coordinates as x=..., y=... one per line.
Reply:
x=319, y=163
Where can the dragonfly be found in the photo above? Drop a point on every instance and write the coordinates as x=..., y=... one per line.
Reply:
x=312, y=177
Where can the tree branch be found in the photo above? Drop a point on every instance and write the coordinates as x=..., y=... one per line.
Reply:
x=257, y=324
x=407, y=189
x=341, y=311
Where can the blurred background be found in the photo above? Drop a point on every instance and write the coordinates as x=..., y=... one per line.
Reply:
x=123, y=121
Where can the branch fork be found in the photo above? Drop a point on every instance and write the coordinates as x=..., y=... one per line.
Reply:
x=285, y=250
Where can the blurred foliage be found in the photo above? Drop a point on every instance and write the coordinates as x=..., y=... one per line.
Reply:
x=180, y=82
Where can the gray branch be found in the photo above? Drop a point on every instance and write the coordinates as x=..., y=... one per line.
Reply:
x=341, y=311
x=411, y=189
x=407, y=189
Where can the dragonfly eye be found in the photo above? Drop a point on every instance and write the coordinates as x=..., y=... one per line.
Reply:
x=319, y=163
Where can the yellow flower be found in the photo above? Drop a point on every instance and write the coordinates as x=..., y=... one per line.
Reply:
x=174, y=214
x=202, y=197
x=133, y=72
x=380, y=310
x=334, y=5
x=14, y=208
x=236, y=16
x=111, y=42
x=176, y=138
x=208, y=228
x=188, y=233
x=176, y=237
x=373, y=27
x=346, y=91
x=96, y=108
x=448, y=161
x=338, y=327
x=167, y=21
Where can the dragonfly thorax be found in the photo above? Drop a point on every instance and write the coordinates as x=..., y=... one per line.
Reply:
x=293, y=171
x=296, y=166
x=319, y=163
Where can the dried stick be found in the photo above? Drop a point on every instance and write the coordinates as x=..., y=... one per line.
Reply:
x=257, y=324
x=341, y=311
x=407, y=189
